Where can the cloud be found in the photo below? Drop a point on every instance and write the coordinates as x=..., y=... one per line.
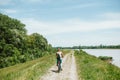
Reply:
x=83, y=5
x=9, y=2
x=71, y=25
x=111, y=15
x=36, y=1
x=9, y=11
x=78, y=6
x=5, y=2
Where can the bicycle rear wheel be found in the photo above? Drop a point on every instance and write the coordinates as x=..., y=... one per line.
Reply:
x=59, y=66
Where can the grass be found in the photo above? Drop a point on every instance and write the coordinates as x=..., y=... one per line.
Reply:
x=31, y=70
x=91, y=68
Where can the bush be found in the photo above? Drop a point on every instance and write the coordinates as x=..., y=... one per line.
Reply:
x=105, y=57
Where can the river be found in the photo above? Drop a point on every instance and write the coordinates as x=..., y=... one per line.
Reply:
x=114, y=53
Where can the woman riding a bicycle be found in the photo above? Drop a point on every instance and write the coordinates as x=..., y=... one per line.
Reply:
x=59, y=56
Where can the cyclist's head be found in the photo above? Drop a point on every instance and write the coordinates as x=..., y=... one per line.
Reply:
x=58, y=49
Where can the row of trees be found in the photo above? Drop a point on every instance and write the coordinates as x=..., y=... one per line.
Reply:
x=18, y=47
x=98, y=47
x=93, y=47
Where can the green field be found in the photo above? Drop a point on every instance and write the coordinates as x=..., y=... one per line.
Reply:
x=31, y=70
x=91, y=68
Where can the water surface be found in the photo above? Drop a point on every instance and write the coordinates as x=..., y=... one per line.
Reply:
x=115, y=53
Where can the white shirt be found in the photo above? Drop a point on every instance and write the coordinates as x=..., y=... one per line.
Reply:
x=60, y=53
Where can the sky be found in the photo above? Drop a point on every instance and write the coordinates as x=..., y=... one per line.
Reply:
x=68, y=22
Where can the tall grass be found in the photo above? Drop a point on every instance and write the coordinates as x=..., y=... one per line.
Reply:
x=30, y=70
x=91, y=68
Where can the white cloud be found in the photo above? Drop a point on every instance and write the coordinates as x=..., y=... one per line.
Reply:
x=9, y=2
x=9, y=11
x=5, y=2
x=71, y=25
x=79, y=6
x=111, y=15
x=54, y=29
x=83, y=5
x=37, y=1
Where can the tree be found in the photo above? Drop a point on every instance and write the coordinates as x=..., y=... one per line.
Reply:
x=16, y=46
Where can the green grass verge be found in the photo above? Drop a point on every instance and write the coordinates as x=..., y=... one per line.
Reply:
x=91, y=68
x=31, y=70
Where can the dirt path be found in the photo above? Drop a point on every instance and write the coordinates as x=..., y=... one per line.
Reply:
x=68, y=72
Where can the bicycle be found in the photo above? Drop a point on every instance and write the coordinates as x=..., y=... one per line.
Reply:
x=59, y=66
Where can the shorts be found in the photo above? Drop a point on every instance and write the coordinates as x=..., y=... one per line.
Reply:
x=59, y=60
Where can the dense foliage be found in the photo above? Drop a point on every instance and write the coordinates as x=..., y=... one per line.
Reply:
x=18, y=47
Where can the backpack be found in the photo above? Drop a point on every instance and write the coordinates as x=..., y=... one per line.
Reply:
x=58, y=56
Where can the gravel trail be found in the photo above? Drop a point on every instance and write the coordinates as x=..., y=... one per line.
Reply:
x=69, y=71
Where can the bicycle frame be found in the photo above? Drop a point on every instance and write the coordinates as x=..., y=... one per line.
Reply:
x=59, y=66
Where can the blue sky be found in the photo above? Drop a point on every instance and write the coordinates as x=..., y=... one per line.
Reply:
x=68, y=22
